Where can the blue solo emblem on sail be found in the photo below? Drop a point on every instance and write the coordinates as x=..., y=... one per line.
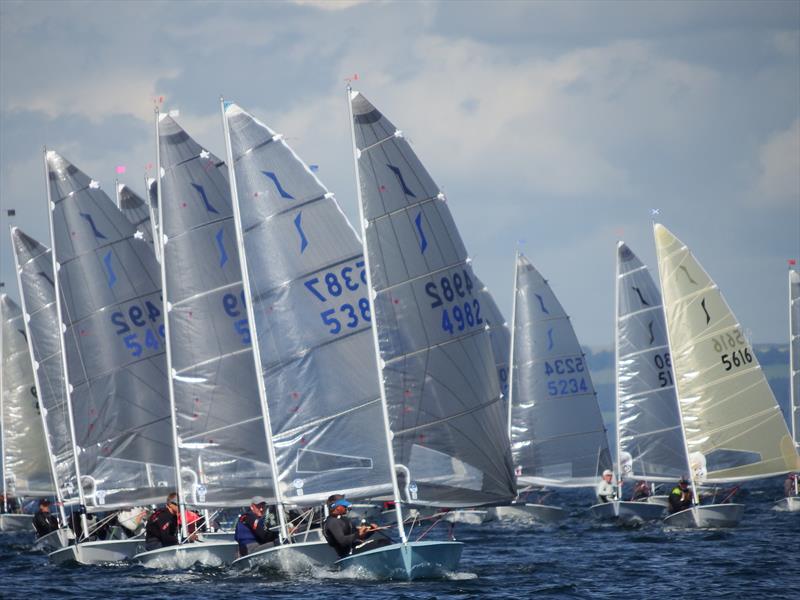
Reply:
x=541, y=303
x=223, y=256
x=202, y=193
x=112, y=277
x=278, y=186
x=299, y=227
x=402, y=181
x=423, y=242
x=95, y=231
x=550, y=339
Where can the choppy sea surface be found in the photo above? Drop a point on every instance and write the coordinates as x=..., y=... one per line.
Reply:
x=578, y=558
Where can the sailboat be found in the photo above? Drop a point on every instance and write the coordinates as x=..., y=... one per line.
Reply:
x=108, y=301
x=219, y=442
x=305, y=294
x=733, y=427
x=557, y=434
x=23, y=455
x=34, y=268
x=649, y=436
x=792, y=503
x=443, y=413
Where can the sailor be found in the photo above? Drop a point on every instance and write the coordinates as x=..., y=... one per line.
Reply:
x=252, y=532
x=641, y=491
x=343, y=537
x=162, y=526
x=43, y=521
x=681, y=497
x=789, y=487
x=605, y=489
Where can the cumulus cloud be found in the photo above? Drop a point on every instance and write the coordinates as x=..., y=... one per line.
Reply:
x=779, y=160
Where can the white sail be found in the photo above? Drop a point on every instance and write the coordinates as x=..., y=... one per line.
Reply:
x=221, y=444
x=734, y=427
x=794, y=355
x=108, y=296
x=34, y=265
x=649, y=437
x=312, y=323
x=557, y=432
x=136, y=210
x=25, y=462
x=440, y=385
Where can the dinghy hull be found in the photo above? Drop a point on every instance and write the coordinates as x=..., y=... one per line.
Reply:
x=99, y=552
x=60, y=538
x=13, y=522
x=538, y=513
x=627, y=513
x=788, y=504
x=661, y=500
x=405, y=562
x=290, y=558
x=207, y=554
x=709, y=516
x=466, y=517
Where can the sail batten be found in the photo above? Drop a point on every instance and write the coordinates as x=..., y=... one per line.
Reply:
x=737, y=430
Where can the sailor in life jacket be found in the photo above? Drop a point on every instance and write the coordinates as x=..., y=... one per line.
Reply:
x=162, y=526
x=680, y=498
x=343, y=536
x=252, y=532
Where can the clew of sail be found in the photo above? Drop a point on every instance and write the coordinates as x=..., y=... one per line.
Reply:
x=136, y=211
x=445, y=410
x=109, y=301
x=25, y=462
x=37, y=292
x=221, y=442
x=733, y=425
x=557, y=432
x=312, y=320
x=649, y=436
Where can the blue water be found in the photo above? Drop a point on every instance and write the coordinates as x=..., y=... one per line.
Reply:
x=576, y=559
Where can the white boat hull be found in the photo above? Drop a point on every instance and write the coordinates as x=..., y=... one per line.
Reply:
x=297, y=557
x=207, y=554
x=791, y=504
x=627, y=513
x=99, y=552
x=709, y=516
x=16, y=522
x=467, y=517
x=538, y=513
x=662, y=500
x=406, y=562
x=217, y=536
x=60, y=538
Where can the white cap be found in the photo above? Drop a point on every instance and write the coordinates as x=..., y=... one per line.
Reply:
x=607, y=472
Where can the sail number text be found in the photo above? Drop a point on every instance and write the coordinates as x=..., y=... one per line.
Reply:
x=134, y=326
x=738, y=352
x=568, y=385
x=459, y=312
x=236, y=308
x=664, y=365
x=327, y=287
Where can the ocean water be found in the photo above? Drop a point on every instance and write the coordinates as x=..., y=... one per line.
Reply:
x=578, y=558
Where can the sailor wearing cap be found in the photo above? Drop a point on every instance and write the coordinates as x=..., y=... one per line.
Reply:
x=605, y=489
x=252, y=531
x=343, y=537
x=680, y=498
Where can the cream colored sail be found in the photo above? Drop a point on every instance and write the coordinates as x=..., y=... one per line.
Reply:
x=733, y=425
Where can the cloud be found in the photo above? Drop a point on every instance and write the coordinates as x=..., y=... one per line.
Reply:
x=329, y=5
x=779, y=159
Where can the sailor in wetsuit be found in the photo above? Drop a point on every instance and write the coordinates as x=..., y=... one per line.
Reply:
x=162, y=526
x=43, y=521
x=605, y=489
x=680, y=498
x=343, y=537
x=252, y=532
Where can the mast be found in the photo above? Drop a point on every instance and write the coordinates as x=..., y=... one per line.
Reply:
x=68, y=388
x=251, y=319
x=161, y=243
x=511, y=351
x=153, y=224
x=793, y=403
x=374, y=326
x=695, y=498
x=616, y=375
x=116, y=192
x=50, y=455
x=2, y=416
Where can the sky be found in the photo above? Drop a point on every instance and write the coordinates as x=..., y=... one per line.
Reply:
x=552, y=127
